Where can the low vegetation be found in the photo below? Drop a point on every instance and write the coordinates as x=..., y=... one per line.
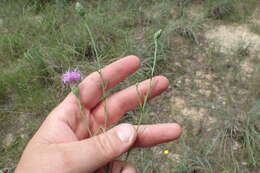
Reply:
x=215, y=84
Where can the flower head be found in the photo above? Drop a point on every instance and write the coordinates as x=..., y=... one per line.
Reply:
x=71, y=77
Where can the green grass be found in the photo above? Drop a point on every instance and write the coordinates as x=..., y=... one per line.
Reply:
x=256, y=28
x=40, y=40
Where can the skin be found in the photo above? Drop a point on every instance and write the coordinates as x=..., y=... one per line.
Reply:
x=62, y=143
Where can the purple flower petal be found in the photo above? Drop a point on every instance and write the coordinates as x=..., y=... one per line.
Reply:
x=71, y=77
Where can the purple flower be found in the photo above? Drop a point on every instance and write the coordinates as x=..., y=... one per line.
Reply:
x=71, y=77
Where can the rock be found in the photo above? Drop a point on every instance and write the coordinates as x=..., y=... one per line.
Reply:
x=205, y=92
x=8, y=140
x=175, y=157
x=244, y=163
x=236, y=145
x=247, y=67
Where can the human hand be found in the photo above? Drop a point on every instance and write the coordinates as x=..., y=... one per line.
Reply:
x=62, y=144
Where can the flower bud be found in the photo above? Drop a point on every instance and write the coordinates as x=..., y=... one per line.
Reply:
x=158, y=34
x=80, y=9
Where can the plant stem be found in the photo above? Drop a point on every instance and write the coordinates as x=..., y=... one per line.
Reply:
x=146, y=97
x=103, y=82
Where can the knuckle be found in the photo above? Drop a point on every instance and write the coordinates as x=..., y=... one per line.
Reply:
x=105, y=146
x=125, y=166
x=129, y=168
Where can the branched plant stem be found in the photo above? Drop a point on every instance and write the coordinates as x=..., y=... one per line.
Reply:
x=103, y=86
x=143, y=105
x=103, y=82
x=143, y=102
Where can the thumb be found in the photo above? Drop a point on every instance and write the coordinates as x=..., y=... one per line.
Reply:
x=90, y=154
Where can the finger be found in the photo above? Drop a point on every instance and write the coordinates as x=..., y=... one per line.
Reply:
x=123, y=101
x=118, y=167
x=149, y=135
x=122, y=167
x=99, y=150
x=91, y=86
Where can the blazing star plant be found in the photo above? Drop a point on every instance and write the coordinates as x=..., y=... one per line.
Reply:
x=74, y=76
x=72, y=79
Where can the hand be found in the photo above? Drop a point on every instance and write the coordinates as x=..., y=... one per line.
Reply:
x=62, y=144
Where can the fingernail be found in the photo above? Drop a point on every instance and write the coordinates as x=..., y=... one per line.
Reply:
x=125, y=132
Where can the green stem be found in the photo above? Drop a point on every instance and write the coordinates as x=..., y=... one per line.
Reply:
x=154, y=56
x=103, y=83
x=75, y=90
x=143, y=106
x=94, y=45
x=146, y=97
